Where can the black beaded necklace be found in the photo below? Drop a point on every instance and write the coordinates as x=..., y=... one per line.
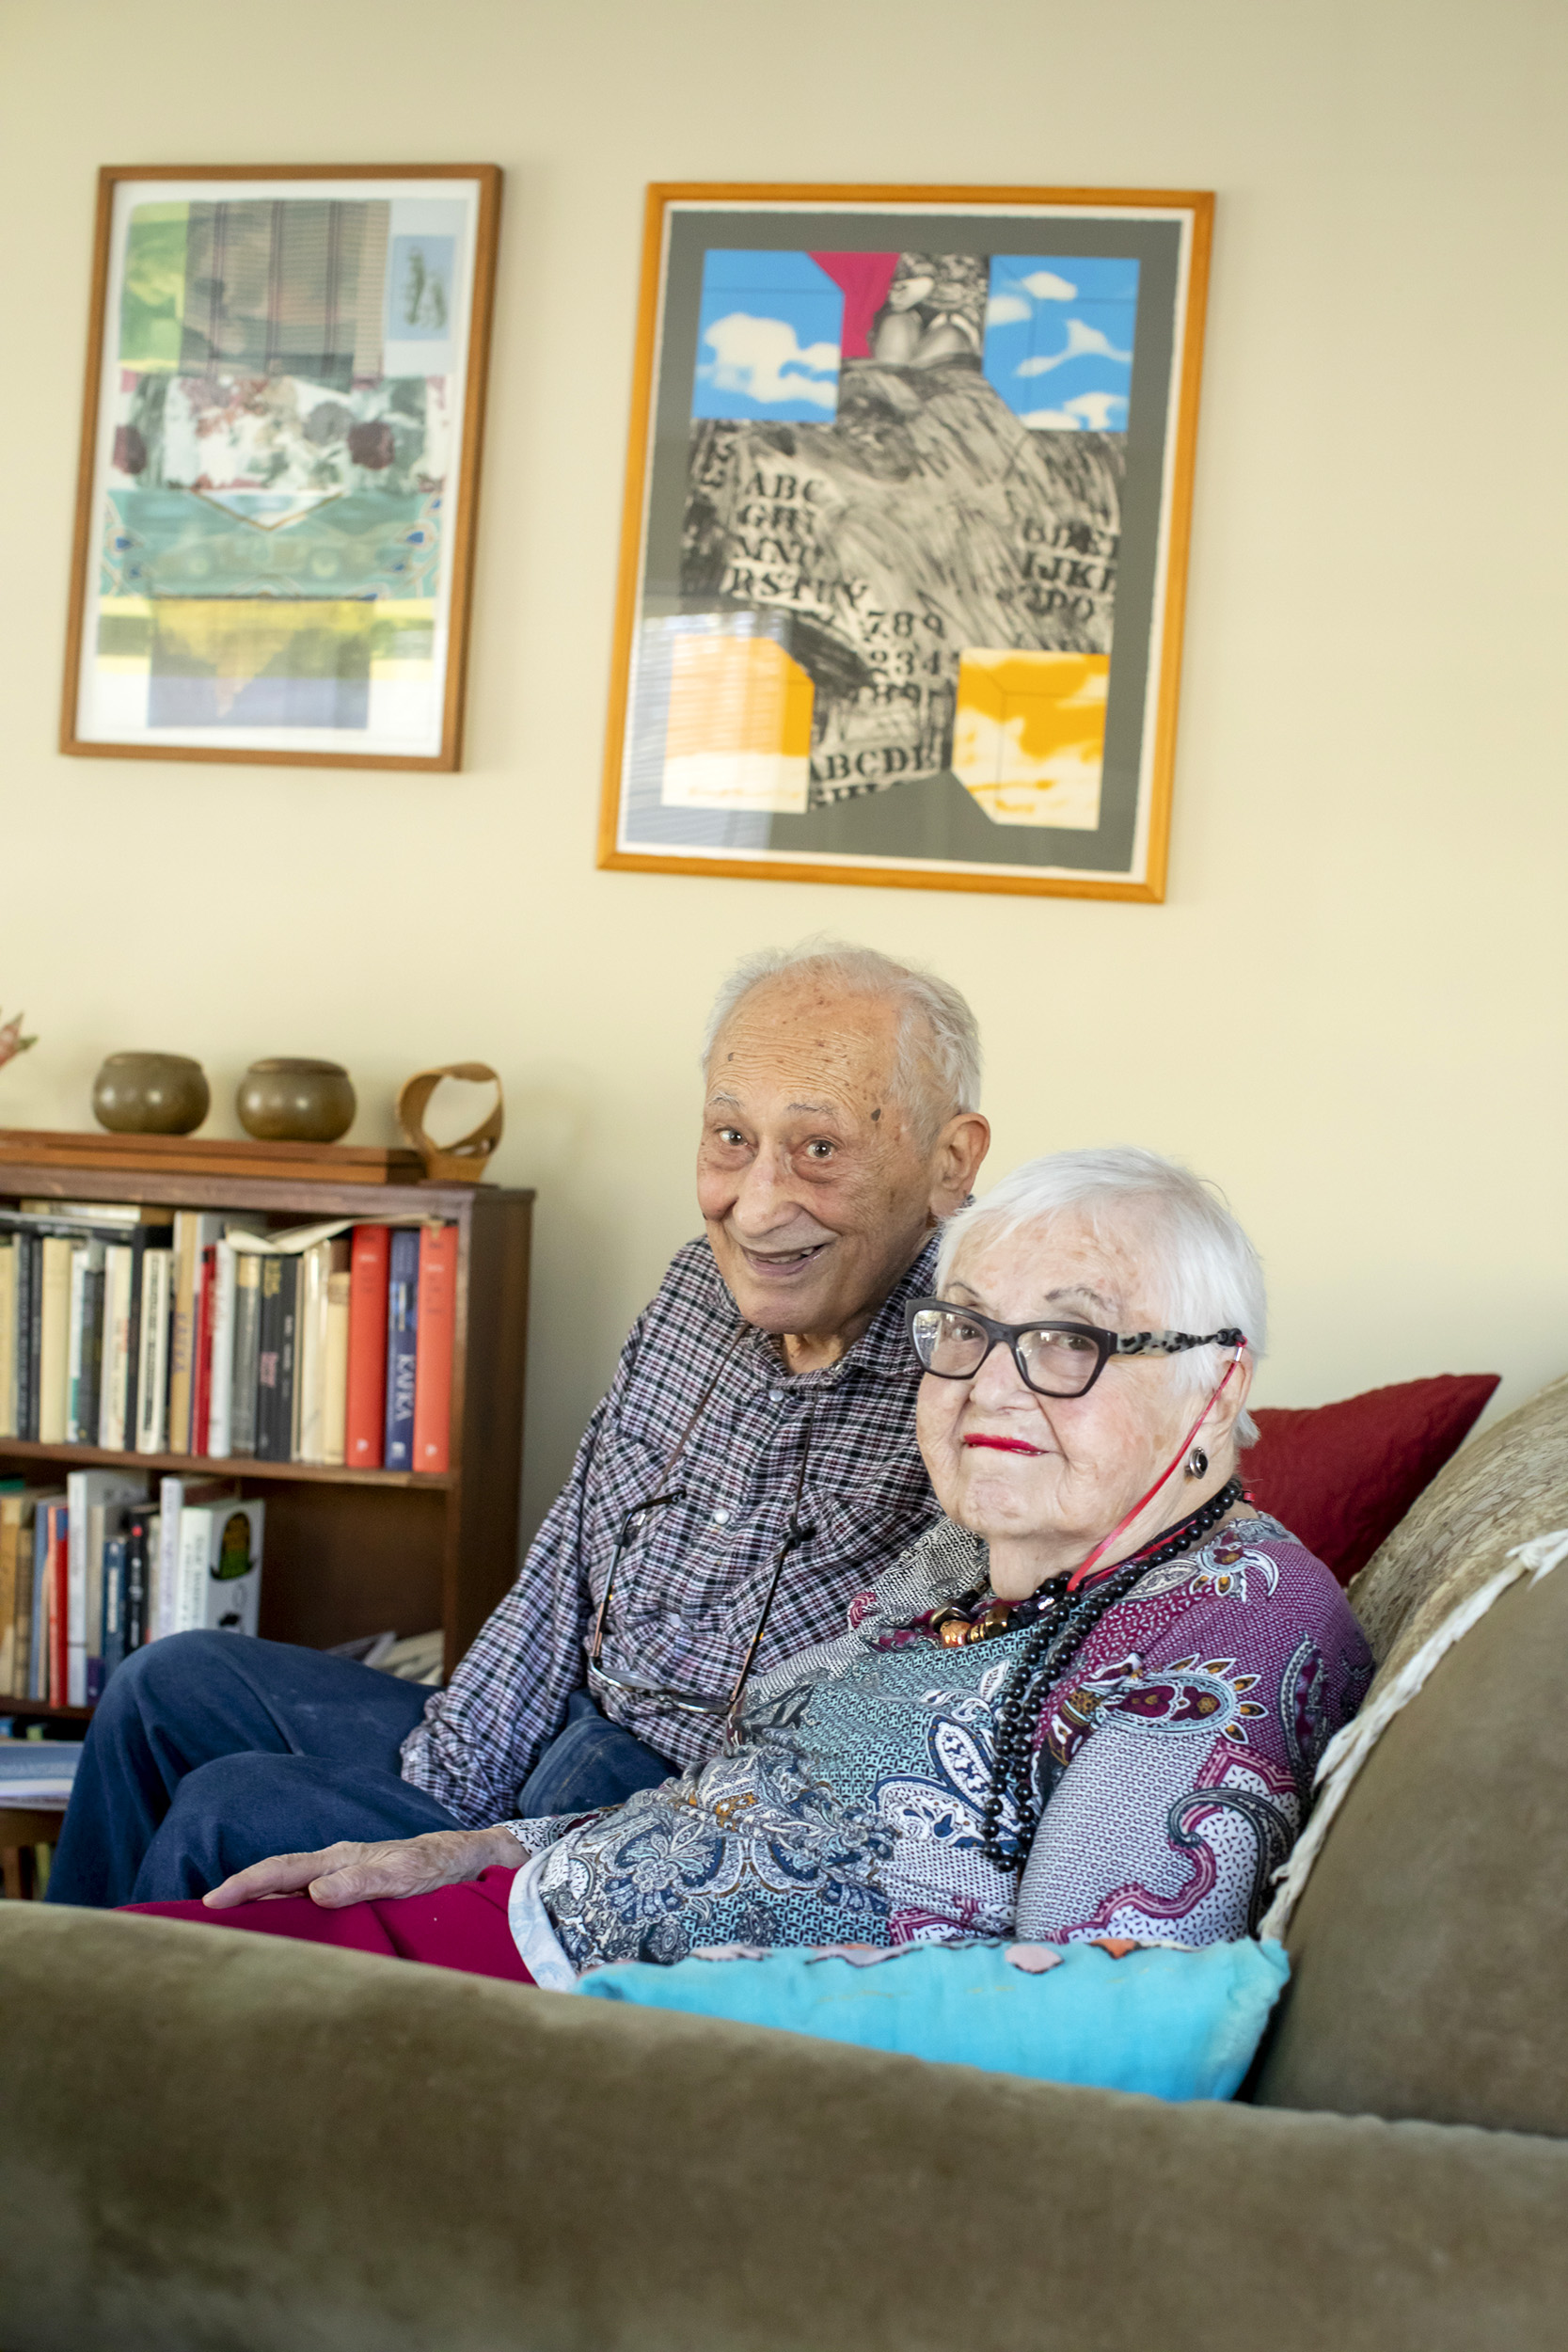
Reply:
x=1046, y=1653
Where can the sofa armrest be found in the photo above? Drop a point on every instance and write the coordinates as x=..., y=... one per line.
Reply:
x=218, y=2140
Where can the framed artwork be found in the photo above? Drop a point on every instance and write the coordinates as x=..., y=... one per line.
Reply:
x=280, y=445
x=906, y=534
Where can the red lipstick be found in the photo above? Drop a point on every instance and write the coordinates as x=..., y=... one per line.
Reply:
x=1005, y=1445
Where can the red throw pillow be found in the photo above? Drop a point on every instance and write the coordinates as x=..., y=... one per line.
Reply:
x=1342, y=1476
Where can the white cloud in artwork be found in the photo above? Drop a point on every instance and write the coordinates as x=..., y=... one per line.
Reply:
x=1081, y=341
x=1091, y=412
x=761, y=360
x=1046, y=286
x=1005, y=309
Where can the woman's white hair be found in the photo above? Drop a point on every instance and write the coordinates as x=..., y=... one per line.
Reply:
x=1204, y=1274
x=937, y=1073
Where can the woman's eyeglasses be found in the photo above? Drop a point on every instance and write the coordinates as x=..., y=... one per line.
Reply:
x=1052, y=1359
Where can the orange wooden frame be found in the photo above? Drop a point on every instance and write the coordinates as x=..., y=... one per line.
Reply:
x=463, y=531
x=1164, y=690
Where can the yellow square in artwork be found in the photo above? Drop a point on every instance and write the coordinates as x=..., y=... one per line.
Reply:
x=739, y=733
x=1029, y=735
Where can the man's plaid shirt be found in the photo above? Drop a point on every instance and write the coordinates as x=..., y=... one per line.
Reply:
x=690, y=1585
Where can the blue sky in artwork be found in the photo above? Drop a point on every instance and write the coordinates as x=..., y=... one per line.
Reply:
x=1058, y=342
x=769, y=339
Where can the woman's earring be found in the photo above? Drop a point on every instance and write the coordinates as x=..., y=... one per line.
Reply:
x=1197, y=1462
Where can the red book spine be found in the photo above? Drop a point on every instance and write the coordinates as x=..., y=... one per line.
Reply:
x=59, y=1603
x=366, y=1423
x=201, y=1369
x=433, y=1365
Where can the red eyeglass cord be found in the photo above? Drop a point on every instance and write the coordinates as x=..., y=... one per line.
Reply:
x=1085, y=1567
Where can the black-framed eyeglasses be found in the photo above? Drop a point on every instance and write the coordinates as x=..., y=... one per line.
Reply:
x=1052, y=1359
x=724, y=1708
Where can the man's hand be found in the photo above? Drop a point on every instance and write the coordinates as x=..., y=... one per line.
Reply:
x=346, y=1873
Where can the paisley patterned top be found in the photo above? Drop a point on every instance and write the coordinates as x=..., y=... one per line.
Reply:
x=1176, y=1757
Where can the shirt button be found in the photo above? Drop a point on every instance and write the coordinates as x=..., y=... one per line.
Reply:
x=775, y=1396
x=720, y=1518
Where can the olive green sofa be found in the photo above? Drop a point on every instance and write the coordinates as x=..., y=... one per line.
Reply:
x=210, y=2140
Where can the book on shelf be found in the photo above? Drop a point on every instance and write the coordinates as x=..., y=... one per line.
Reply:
x=84, y=1360
x=112, y=1646
x=18, y=1504
x=26, y=1339
x=141, y=1550
x=195, y=1232
x=7, y=1336
x=220, y=1435
x=248, y=1345
x=177, y=1497
x=322, y=1350
x=366, y=1404
x=274, y=1361
x=54, y=1339
x=335, y=1363
x=201, y=1361
x=402, y=1317
x=90, y=1496
x=436, y=1320
x=220, y=1565
x=152, y=1352
x=310, y=1388
x=114, y=1376
x=51, y=1603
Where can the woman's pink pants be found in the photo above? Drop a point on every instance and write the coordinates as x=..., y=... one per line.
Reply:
x=457, y=1927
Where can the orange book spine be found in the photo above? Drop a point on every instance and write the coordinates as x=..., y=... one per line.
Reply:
x=365, y=1419
x=433, y=1365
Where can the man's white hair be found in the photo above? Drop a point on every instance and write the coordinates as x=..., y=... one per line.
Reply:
x=937, y=1070
x=1204, y=1274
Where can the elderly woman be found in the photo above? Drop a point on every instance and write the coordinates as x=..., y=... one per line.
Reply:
x=1088, y=1703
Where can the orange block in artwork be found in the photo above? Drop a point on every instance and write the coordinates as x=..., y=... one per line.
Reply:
x=738, y=734
x=1029, y=735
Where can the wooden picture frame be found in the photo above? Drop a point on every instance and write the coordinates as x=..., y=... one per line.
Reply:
x=904, y=547
x=279, y=479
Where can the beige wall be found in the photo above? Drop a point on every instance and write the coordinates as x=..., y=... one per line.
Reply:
x=1350, y=1009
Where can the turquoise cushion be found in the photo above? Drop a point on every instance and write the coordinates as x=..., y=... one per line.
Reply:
x=1178, y=2025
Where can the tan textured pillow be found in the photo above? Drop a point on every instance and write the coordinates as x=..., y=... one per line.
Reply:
x=1501, y=1489
x=1429, y=1949
x=1430, y=1944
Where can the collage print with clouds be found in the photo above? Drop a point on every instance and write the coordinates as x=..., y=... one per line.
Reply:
x=899, y=541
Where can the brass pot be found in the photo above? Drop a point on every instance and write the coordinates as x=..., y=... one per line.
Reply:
x=150, y=1094
x=285, y=1101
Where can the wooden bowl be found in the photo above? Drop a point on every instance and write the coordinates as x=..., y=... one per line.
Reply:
x=285, y=1100
x=150, y=1094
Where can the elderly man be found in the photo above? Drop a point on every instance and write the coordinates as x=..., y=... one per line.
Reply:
x=751, y=1457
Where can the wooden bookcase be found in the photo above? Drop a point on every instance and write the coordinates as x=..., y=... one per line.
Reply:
x=348, y=1551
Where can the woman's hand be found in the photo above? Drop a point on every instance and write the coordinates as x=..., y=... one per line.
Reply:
x=346, y=1873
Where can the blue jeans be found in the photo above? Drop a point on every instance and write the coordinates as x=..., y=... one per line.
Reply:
x=211, y=1751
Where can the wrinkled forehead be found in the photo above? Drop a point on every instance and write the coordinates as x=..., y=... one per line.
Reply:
x=1102, y=1267
x=812, y=1037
